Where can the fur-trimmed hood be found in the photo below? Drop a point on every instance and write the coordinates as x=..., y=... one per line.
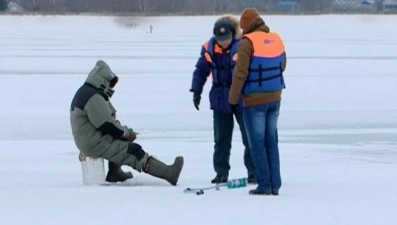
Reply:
x=101, y=77
x=235, y=22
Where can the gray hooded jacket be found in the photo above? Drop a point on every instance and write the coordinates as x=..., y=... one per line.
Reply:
x=95, y=129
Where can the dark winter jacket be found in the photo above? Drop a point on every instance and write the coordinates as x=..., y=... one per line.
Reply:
x=222, y=80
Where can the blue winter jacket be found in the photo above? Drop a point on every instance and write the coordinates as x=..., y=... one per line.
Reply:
x=221, y=77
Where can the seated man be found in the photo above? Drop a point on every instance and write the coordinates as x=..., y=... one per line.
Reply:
x=97, y=133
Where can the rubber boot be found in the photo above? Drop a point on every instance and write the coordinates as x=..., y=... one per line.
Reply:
x=169, y=173
x=116, y=174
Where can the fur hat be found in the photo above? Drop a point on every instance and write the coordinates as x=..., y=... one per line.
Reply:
x=223, y=30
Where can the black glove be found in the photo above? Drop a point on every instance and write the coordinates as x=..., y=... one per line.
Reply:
x=196, y=100
x=234, y=108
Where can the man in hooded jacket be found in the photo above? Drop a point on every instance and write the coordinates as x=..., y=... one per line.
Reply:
x=97, y=132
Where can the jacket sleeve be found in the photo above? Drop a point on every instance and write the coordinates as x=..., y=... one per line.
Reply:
x=100, y=115
x=244, y=54
x=200, y=74
x=285, y=61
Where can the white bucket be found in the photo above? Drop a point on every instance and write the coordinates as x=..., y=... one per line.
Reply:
x=93, y=170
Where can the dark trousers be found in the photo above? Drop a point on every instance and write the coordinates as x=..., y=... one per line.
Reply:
x=223, y=132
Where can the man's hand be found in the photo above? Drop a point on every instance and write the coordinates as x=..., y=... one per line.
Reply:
x=234, y=108
x=132, y=135
x=196, y=100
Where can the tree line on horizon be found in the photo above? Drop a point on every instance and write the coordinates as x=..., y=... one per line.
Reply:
x=158, y=6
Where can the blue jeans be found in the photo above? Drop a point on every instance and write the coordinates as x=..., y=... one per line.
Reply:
x=261, y=126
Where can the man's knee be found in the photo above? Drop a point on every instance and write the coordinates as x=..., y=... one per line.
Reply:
x=136, y=150
x=140, y=155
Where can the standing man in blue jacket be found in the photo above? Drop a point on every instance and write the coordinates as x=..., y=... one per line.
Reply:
x=218, y=57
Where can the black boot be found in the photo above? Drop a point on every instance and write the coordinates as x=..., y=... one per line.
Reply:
x=159, y=169
x=251, y=180
x=219, y=180
x=116, y=174
x=257, y=192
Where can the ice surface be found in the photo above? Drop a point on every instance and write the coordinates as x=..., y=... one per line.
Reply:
x=337, y=127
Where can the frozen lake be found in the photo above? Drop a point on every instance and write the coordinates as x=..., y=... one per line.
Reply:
x=337, y=126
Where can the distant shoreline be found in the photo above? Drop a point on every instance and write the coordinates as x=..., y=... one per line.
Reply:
x=154, y=14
